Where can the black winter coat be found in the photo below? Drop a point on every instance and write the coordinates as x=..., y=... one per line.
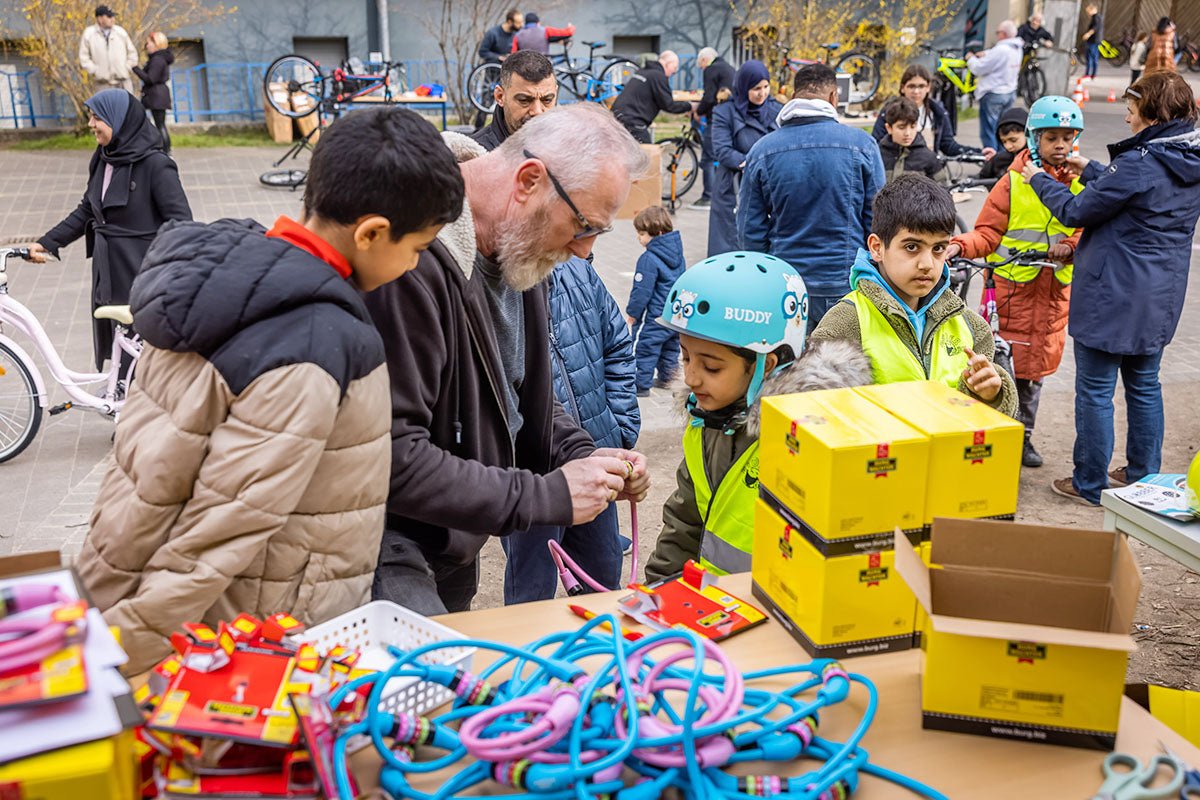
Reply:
x=943, y=132
x=118, y=230
x=492, y=136
x=156, y=80
x=457, y=477
x=647, y=93
x=717, y=76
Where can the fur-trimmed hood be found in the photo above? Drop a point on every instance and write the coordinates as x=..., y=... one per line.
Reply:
x=825, y=364
x=459, y=236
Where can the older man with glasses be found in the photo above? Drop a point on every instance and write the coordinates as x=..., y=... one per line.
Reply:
x=480, y=446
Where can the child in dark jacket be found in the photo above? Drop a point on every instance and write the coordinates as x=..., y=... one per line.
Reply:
x=904, y=150
x=592, y=356
x=657, y=348
x=1011, y=132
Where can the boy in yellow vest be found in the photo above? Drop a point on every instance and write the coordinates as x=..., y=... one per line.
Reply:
x=741, y=319
x=1033, y=302
x=910, y=326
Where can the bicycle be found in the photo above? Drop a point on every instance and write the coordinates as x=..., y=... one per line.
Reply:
x=952, y=79
x=1188, y=54
x=303, y=77
x=863, y=70
x=1031, y=81
x=601, y=86
x=1115, y=54
x=23, y=393
x=680, y=162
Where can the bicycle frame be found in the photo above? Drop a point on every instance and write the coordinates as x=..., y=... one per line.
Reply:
x=948, y=69
x=1107, y=49
x=374, y=83
x=15, y=314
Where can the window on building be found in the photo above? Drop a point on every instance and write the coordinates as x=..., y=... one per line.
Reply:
x=327, y=51
x=633, y=46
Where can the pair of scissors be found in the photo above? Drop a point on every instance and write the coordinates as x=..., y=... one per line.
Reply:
x=1191, y=777
x=1126, y=779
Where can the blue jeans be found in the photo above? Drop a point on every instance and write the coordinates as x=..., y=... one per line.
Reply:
x=1095, y=382
x=818, y=305
x=991, y=106
x=1093, y=58
x=530, y=573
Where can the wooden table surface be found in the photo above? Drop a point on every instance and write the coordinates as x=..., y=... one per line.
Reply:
x=958, y=765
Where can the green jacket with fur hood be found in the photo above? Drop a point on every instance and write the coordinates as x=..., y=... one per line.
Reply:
x=841, y=322
x=824, y=365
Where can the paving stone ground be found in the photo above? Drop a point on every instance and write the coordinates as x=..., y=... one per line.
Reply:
x=47, y=492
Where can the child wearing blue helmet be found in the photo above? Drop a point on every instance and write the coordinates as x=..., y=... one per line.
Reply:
x=741, y=320
x=1033, y=302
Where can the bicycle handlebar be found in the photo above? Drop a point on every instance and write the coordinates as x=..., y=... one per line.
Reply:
x=20, y=252
x=1025, y=258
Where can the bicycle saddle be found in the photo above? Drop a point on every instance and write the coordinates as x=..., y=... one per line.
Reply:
x=831, y=46
x=594, y=45
x=119, y=314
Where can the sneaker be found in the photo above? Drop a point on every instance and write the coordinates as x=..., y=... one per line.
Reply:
x=663, y=384
x=703, y=204
x=626, y=544
x=1030, y=457
x=643, y=392
x=1065, y=487
x=1117, y=478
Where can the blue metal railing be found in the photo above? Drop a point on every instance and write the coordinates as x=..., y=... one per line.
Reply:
x=221, y=91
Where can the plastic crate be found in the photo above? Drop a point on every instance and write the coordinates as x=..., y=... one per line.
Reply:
x=370, y=629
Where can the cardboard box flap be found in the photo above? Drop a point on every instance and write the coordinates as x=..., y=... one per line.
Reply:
x=27, y=563
x=1042, y=634
x=1068, y=553
x=913, y=570
x=1023, y=599
x=1126, y=586
x=944, y=411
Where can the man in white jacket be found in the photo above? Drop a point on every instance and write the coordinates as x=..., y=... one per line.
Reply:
x=107, y=53
x=996, y=70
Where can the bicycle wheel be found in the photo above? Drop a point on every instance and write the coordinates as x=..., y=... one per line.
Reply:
x=481, y=87
x=1121, y=57
x=948, y=97
x=1192, y=57
x=1033, y=85
x=298, y=76
x=613, y=79
x=864, y=76
x=680, y=162
x=284, y=178
x=20, y=406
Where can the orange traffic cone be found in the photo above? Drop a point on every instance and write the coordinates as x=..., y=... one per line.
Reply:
x=1077, y=95
x=1112, y=95
x=1087, y=98
x=1075, y=148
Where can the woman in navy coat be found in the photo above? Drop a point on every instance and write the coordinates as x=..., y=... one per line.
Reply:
x=748, y=116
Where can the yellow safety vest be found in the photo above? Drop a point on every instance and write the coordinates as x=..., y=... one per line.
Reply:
x=1030, y=224
x=729, y=515
x=893, y=362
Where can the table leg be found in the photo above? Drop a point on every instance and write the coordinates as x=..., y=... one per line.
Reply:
x=1110, y=520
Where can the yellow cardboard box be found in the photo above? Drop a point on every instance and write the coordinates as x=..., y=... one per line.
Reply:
x=841, y=464
x=1027, y=630
x=1178, y=709
x=102, y=770
x=834, y=606
x=974, y=451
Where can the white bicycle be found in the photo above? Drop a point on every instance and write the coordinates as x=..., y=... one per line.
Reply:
x=23, y=391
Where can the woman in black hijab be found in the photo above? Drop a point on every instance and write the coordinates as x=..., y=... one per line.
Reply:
x=133, y=188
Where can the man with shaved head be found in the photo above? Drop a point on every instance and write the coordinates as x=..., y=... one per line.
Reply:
x=648, y=93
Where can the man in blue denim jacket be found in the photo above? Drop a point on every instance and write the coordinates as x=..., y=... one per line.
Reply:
x=807, y=190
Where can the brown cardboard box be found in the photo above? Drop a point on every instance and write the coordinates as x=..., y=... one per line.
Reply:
x=278, y=125
x=646, y=191
x=300, y=103
x=1027, y=633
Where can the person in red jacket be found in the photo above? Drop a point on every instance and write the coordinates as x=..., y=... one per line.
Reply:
x=1032, y=302
x=536, y=36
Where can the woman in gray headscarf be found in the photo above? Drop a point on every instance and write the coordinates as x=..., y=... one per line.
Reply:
x=132, y=189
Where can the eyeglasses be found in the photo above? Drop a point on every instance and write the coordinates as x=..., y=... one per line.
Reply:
x=589, y=231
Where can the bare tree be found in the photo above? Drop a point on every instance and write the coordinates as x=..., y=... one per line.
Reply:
x=55, y=26
x=458, y=26
x=698, y=23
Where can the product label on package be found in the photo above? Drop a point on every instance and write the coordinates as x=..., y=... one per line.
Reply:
x=219, y=708
x=1021, y=701
x=977, y=452
x=882, y=463
x=1026, y=652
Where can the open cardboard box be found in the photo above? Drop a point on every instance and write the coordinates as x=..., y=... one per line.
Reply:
x=646, y=190
x=1027, y=633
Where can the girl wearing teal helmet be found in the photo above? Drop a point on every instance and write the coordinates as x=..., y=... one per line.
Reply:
x=1033, y=302
x=741, y=319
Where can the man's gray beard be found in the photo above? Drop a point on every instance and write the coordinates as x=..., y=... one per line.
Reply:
x=523, y=261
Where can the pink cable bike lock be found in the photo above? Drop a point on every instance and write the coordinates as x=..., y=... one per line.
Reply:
x=568, y=569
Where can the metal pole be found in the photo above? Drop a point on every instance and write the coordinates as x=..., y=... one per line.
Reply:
x=385, y=44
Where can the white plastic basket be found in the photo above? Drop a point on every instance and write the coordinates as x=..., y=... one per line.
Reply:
x=370, y=629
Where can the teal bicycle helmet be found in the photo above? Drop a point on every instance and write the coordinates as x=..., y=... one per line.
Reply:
x=1051, y=111
x=751, y=301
